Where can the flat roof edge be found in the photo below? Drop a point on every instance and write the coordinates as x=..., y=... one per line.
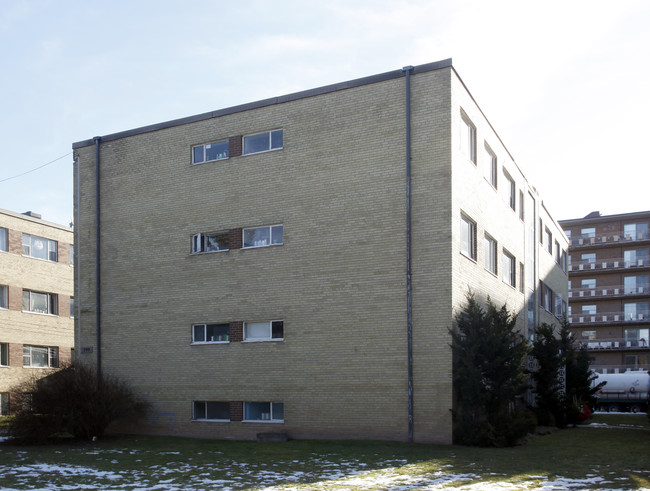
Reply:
x=381, y=77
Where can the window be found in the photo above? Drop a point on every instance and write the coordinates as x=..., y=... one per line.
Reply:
x=210, y=152
x=263, y=236
x=546, y=297
x=587, y=233
x=635, y=257
x=41, y=303
x=635, y=231
x=509, y=265
x=509, y=190
x=4, y=354
x=636, y=337
x=467, y=138
x=39, y=248
x=636, y=284
x=558, y=253
x=589, y=335
x=264, y=411
x=4, y=297
x=636, y=311
x=588, y=258
x=4, y=242
x=210, y=411
x=588, y=284
x=558, y=305
x=490, y=166
x=263, y=142
x=521, y=206
x=264, y=331
x=548, y=241
x=71, y=306
x=40, y=357
x=589, y=309
x=210, y=333
x=468, y=237
x=490, y=254
x=71, y=255
x=521, y=277
x=219, y=241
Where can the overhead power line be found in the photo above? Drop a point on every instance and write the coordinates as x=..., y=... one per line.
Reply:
x=36, y=168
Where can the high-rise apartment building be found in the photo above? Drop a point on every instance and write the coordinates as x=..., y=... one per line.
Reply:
x=609, y=290
x=36, y=297
x=294, y=265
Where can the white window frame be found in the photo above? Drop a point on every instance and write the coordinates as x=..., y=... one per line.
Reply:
x=275, y=140
x=31, y=242
x=4, y=297
x=490, y=166
x=467, y=137
x=205, y=411
x=490, y=254
x=509, y=190
x=221, y=338
x=468, y=237
x=275, y=236
x=4, y=240
x=52, y=303
x=207, y=242
x=266, y=337
x=509, y=266
x=52, y=356
x=203, y=149
x=275, y=409
x=4, y=354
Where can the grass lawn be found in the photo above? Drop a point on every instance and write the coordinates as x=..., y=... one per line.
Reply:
x=613, y=452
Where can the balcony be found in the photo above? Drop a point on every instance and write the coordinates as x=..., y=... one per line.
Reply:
x=619, y=344
x=609, y=318
x=607, y=291
x=609, y=238
x=608, y=264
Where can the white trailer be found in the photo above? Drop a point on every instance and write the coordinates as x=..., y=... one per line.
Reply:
x=627, y=391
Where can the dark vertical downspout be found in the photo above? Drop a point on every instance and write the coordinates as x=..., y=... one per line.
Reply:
x=409, y=310
x=98, y=296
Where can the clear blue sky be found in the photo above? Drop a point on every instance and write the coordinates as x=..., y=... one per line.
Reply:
x=564, y=83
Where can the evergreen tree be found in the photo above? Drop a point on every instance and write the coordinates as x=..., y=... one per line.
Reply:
x=548, y=387
x=579, y=376
x=489, y=376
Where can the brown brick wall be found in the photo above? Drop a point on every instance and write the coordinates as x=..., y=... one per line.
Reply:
x=235, y=238
x=235, y=146
x=236, y=331
x=236, y=411
x=15, y=242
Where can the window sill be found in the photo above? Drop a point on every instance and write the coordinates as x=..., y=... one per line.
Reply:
x=265, y=340
x=262, y=151
x=207, y=252
x=200, y=343
x=210, y=421
x=209, y=161
x=468, y=257
x=265, y=421
x=39, y=313
x=263, y=246
x=40, y=259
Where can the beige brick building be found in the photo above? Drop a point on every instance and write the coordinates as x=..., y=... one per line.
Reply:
x=294, y=264
x=36, y=288
x=609, y=294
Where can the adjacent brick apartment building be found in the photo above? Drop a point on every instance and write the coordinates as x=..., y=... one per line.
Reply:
x=609, y=291
x=294, y=264
x=36, y=288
